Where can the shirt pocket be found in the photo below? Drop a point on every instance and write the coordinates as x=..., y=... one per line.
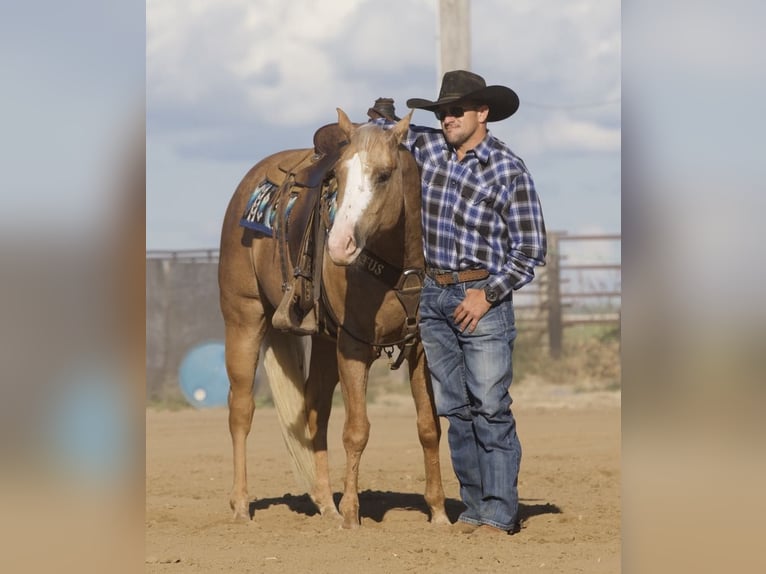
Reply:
x=482, y=206
x=487, y=196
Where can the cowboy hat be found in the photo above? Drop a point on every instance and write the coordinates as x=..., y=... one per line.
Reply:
x=460, y=85
x=383, y=108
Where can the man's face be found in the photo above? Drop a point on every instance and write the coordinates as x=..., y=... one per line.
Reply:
x=460, y=123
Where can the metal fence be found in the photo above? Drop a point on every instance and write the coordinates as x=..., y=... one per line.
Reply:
x=185, y=255
x=182, y=311
x=581, y=284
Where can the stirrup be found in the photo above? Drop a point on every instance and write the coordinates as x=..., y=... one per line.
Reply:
x=288, y=316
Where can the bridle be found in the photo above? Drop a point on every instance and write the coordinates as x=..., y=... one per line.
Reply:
x=407, y=283
x=409, y=296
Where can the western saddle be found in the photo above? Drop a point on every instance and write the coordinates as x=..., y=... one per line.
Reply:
x=300, y=234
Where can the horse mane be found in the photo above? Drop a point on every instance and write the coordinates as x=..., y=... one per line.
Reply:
x=370, y=138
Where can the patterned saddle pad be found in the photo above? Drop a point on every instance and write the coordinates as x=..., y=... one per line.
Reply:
x=261, y=210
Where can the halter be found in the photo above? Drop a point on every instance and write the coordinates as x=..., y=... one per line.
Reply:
x=407, y=283
x=409, y=297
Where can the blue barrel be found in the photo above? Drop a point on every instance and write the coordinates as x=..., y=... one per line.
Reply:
x=202, y=375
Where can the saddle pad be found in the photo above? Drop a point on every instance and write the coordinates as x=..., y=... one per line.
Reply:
x=329, y=199
x=262, y=208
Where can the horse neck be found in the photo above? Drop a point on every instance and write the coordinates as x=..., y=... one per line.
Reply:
x=402, y=243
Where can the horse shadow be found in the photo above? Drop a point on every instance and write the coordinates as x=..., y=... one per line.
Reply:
x=374, y=504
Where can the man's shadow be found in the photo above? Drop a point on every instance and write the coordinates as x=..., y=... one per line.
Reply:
x=374, y=504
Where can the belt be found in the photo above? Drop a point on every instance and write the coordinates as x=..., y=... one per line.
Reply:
x=452, y=277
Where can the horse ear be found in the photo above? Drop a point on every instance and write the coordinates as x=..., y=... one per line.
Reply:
x=344, y=123
x=402, y=126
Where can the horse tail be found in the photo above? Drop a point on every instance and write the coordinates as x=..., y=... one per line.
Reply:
x=284, y=359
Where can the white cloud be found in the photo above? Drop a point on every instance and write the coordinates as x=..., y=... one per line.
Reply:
x=559, y=52
x=227, y=80
x=287, y=61
x=274, y=54
x=563, y=133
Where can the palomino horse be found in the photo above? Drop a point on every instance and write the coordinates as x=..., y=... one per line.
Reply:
x=378, y=210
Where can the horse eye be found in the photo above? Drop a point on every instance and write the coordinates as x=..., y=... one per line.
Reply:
x=383, y=177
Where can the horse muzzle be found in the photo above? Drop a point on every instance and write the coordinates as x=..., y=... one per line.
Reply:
x=342, y=246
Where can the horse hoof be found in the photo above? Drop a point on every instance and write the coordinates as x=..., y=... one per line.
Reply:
x=330, y=513
x=241, y=512
x=440, y=518
x=240, y=516
x=350, y=524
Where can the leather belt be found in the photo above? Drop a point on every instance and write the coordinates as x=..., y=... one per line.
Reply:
x=453, y=277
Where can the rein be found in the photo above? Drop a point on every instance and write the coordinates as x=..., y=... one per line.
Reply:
x=407, y=283
x=409, y=297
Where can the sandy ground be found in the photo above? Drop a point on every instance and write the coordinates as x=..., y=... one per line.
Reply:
x=569, y=488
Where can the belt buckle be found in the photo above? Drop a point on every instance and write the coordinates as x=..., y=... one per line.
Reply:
x=455, y=277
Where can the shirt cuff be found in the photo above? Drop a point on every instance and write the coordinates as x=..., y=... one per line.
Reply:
x=504, y=284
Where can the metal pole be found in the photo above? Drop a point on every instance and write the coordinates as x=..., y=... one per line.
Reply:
x=555, y=323
x=454, y=36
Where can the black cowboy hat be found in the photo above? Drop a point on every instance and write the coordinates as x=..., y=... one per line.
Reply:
x=460, y=85
x=383, y=108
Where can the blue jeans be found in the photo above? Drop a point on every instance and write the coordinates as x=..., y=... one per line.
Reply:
x=471, y=375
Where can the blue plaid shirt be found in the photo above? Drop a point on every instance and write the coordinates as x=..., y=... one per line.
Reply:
x=482, y=211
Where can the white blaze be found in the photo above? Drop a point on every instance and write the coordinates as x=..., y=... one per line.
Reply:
x=356, y=197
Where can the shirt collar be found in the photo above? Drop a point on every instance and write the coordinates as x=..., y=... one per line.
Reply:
x=481, y=151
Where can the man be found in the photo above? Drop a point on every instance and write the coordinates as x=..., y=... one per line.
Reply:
x=483, y=235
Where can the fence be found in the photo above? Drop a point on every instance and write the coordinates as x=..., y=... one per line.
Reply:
x=182, y=311
x=579, y=285
x=185, y=255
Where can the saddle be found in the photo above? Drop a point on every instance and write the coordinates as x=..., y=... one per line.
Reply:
x=299, y=229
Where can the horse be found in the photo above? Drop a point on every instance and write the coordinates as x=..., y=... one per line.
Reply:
x=377, y=219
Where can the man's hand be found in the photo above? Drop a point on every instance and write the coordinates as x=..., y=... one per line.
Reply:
x=471, y=310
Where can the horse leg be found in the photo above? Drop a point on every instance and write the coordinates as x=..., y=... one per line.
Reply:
x=354, y=360
x=323, y=376
x=429, y=433
x=245, y=327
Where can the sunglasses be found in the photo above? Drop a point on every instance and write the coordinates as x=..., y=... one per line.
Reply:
x=454, y=111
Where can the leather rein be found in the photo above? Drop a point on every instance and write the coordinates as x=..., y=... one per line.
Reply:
x=407, y=283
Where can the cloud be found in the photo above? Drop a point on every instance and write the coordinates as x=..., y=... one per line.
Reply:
x=291, y=63
x=280, y=62
x=562, y=133
x=552, y=52
x=230, y=82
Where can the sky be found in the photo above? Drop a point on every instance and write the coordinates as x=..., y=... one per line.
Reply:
x=229, y=83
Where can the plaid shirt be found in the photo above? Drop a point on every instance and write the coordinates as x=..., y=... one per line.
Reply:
x=479, y=212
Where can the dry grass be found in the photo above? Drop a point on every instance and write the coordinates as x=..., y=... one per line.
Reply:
x=590, y=360
x=590, y=357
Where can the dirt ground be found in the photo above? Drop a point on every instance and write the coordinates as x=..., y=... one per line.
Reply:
x=569, y=489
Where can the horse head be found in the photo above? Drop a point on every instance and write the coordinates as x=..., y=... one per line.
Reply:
x=370, y=186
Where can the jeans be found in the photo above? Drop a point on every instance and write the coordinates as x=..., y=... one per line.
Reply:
x=472, y=374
